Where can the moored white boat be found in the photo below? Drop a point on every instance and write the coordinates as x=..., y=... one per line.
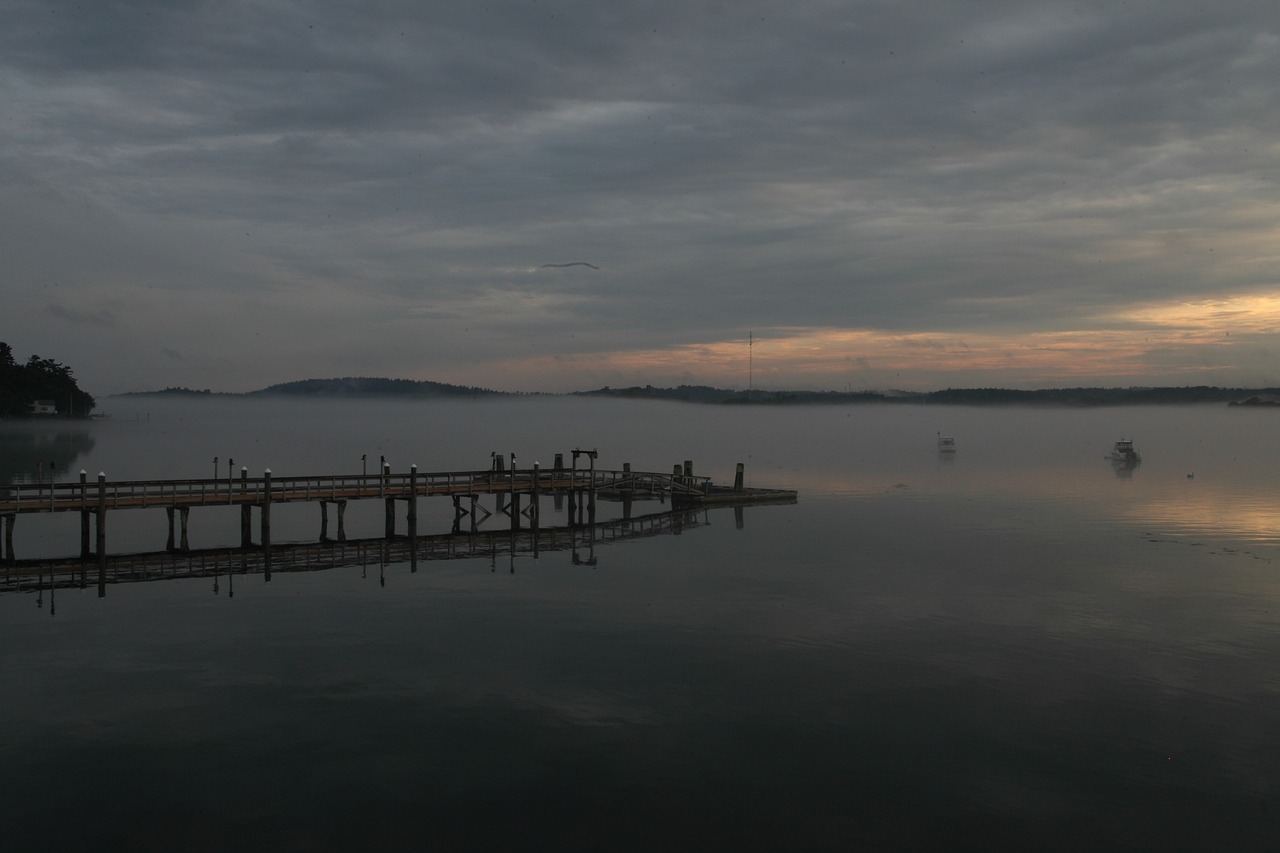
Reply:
x=946, y=444
x=1124, y=454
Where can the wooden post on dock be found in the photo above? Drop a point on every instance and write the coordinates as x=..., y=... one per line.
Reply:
x=533, y=512
x=246, y=511
x=573, y=489
x=324, y=520
x=390, y=502
x=102, y=534
x=413, y=499
x=557, y=496
x=183, y=513
x=626, y=491
x=591, y=494
x=413, y=519
x=266, y=526
x=85, y=550
x=266, y=508
x=8, y=519
x=513, y=504
x=533, y=506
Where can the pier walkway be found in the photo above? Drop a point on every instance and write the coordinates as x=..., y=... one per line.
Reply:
x=583, y=487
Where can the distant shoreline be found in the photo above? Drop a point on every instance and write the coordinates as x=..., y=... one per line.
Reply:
x=365, y=387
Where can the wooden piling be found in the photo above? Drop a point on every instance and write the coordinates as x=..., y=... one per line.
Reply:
x=591, y=495
x=266, y=526
x=266, y=509
x=533, y=511
x=533, y=505
x=180, y=543
x=626, y=491
x=413, y=498
x=85, y=524
x=324, y=520
x=246, y=512
x=102, y=535
x=8, y=521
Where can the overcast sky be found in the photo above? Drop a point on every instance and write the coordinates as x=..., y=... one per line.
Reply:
x=912, y=193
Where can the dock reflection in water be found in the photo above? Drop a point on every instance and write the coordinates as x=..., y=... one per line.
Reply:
x=579, y=541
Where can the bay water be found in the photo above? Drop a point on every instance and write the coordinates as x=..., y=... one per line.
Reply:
x=1016, y=646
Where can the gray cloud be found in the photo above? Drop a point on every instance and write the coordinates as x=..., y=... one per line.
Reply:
x=98, y=318
x=289, y=171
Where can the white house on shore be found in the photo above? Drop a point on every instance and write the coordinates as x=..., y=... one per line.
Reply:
x=44, y=407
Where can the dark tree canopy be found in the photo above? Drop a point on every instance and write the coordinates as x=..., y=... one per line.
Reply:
x=21, y=385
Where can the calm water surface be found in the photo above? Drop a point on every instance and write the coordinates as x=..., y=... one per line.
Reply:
x=1016, y=648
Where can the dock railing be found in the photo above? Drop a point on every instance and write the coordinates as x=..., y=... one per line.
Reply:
x=102, y=493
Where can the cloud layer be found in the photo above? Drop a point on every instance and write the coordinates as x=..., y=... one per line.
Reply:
x=910, y=194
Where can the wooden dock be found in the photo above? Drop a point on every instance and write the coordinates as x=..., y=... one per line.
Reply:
x=511, y=488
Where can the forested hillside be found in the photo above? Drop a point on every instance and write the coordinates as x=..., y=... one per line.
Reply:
x=21, y=385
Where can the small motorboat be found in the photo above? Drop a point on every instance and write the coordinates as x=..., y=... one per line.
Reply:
x=1124, y=454
x=946, y=444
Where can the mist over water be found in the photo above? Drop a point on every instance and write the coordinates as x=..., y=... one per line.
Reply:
x=1021, y=646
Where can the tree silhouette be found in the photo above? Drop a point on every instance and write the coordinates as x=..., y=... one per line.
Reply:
x=39, y=379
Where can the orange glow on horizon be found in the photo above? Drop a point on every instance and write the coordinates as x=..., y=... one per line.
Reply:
x=1256, y=314
x=1188, y=340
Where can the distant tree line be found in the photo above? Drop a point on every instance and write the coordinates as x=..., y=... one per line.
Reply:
x=366, y=386
x=40, y=379
x=953, y=396
x=369, y=386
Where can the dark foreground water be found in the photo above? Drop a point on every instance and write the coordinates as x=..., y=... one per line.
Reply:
x=1018, y=648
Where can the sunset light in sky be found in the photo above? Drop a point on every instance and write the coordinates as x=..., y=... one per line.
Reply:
x=886, y=195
